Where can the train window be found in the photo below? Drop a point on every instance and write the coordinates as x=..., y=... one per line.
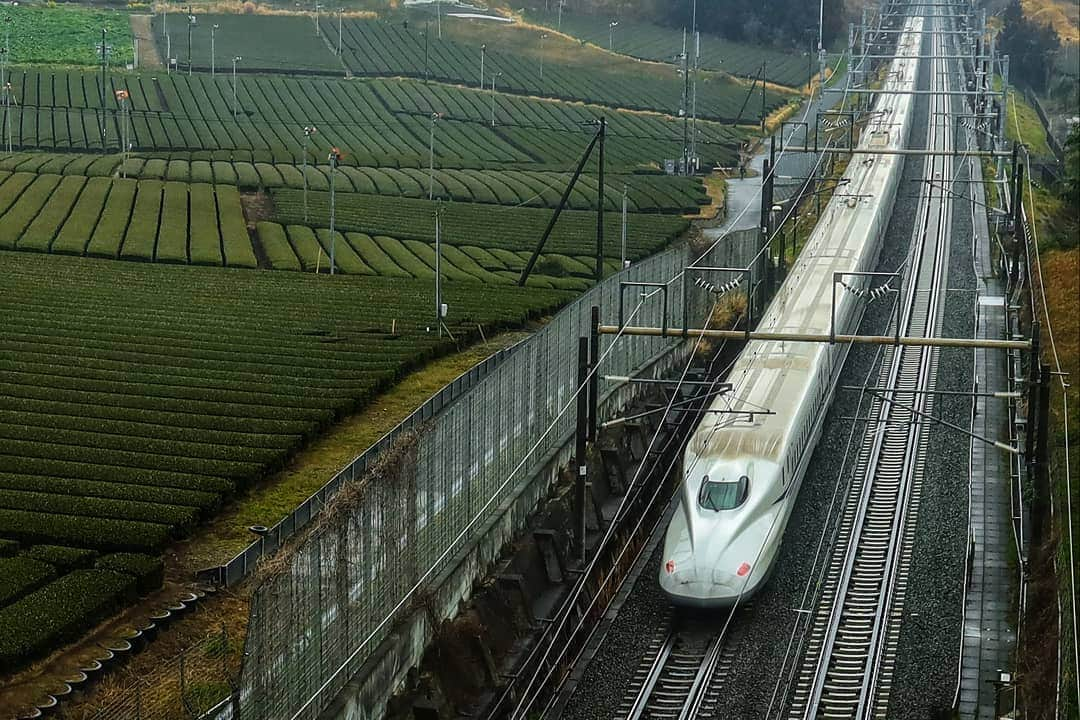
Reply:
x=723, y=495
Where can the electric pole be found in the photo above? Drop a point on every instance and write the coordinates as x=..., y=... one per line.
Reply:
x=496, y=75
x=340, y=12
x=335, y=156
x=191, y=24
x=622, y=264
x=431, y=157
x=438, y=272
x=543, y=37
x=122, y=97
x=483, y=52
x=235, y=108
x=309, y=130
x=104, y=68
x=213, y=55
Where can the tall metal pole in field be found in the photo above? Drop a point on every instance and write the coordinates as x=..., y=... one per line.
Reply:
x=6, y=50
x=543, y=37
x=558, y=25
x=438, y=17
x=438, y=271
x=191, y=23
x=685, y=109
x=318, y=30
x=600, y=203
x=309, y=130
x=213, y=54
x=611, y=34
x=693, y=98
x=622, y=263
x=7, y=114
x=164, y=18
x=104, y=67
x=424, y=32
x=340, y=12
x=235, y=109
x=763, y=66
x=431, y=157
x=335, y=155
x=122, y=97
x=496, y=75
x=483, y=52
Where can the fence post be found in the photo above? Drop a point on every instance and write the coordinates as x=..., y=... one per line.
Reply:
x=183, y=685
x=579, y=451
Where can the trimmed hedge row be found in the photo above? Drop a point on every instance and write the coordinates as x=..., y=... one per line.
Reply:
x=21, y=575
x=59, y=612
x=148, y=571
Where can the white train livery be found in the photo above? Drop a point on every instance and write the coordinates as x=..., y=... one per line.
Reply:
x=741, y=473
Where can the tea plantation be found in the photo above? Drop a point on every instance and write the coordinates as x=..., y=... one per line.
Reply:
x=166, y=341
x=135, y=399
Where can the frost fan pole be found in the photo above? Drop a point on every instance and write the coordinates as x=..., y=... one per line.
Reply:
x=598, y=137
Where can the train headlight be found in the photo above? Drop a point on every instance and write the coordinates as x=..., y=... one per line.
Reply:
x=669, y=566
x=743, y=570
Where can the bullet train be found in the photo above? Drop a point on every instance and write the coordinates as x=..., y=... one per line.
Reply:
x=741, y=472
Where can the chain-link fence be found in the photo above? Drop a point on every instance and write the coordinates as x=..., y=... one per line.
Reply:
x=185, y=687
x=327, y=604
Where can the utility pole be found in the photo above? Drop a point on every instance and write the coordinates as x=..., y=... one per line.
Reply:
x=685, y=109
x=340, y=12
x=7, y=114
x=104, y=67
x=6, y=50
x=693, y=100
x=438, y=18
x=622, y=257
x=581, y=433
x=164, y=19
x=309, y=130
x=191, y=23
x=438, y=271
x=318, y=30
x=558, y=25
x=235, y=108
x=543, y=37
x=600, y=204
x=496, y=75
x=122, y=97
x=483, y=52
x=431, y=157
x=424, y=32
x=213, y=54
x=763, y=96
x=696, y=38
x=611, y=34
x=335, y=156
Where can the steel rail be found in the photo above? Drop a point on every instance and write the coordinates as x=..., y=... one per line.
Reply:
x=852, y=667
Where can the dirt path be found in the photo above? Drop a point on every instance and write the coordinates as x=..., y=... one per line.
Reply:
x=148, y=52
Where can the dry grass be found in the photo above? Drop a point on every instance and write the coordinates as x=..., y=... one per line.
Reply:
x=716, y=188
x=218, y=541
x=249, y=7
x=275, y=497
x=1062, y=15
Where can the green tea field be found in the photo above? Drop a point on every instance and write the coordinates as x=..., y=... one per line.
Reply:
x=171, y=337
x=135, y=399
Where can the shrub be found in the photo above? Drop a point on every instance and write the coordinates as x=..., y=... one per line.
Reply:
x=20, y=575
x=62, y=557
x=59, y=612
x=148, y=571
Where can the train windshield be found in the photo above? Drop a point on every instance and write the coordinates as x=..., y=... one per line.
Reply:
x=723, y=495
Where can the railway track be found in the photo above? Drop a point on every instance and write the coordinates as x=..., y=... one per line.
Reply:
x=684, y=673
x=849, y=654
